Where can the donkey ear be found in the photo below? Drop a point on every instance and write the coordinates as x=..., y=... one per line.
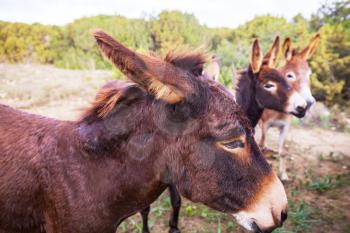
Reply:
x=307, y=52
x=287, y=50
x=158, y=77
x=270, y=59
x=256, y=57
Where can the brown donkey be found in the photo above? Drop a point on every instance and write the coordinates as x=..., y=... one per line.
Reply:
x=262, y=86
x=296, y=71
x=212, y=71
x=168, y=125
x=259, y=87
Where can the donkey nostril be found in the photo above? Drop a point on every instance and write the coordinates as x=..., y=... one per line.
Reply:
x=284, y=216
x=300, y=109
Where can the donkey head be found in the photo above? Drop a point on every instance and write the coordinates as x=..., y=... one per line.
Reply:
x=201, y=141
x=296, y=69
x=272, y=90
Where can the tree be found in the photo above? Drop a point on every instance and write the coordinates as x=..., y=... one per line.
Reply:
x=173, y=28
x=332, y=64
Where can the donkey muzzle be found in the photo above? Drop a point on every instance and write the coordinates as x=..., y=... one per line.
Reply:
x=296, y=105
x=268, y=210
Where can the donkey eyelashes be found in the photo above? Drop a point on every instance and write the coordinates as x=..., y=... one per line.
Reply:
x=237, y=147
x=270, y=86
x=234, y=144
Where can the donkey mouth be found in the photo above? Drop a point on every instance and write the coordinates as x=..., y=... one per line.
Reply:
x=299, y=114
x=249, y=224
x=252, y=226
x=257, y=229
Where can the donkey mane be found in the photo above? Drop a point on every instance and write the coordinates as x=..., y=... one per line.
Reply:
x=192, y=61
x=108, y=97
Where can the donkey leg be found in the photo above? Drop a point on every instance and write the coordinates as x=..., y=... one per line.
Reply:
x=264, y=126
x=282, y=153
x=175, y=199
x=262, y=142
x=144, y=213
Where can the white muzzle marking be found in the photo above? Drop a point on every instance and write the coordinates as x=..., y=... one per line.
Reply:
x=305, y=93
x=295, y=102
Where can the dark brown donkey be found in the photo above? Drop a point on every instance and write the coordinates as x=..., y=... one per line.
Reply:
x=262, y=86
x=212, y=71
x=296, y=71
x=168, y=125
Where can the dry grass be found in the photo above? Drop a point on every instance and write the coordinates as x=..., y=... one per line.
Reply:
x=48, y=90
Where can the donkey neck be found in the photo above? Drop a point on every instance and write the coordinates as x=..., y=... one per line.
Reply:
x=245, y=96
x=133, y=150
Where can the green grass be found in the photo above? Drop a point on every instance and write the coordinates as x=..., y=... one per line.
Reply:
x=331, y=156
x=342, y=180
x=321, y=184
x=299, y=217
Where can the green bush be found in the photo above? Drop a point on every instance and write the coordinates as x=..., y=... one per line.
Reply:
x=72, y=46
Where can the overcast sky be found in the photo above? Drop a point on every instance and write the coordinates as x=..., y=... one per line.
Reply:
x=229, y=13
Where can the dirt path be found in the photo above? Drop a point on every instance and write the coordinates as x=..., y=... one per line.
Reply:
x=311, y=142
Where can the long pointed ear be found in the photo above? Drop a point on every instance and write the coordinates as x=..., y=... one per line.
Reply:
x=307, y=52
x=270, y=59
x=158, y=77
x=256, y=57
x=287, y=50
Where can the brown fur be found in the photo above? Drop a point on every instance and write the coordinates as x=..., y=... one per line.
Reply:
x=87, y=176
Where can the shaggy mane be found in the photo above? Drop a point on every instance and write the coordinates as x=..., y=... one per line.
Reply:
x=106, y=99
x=191, y=61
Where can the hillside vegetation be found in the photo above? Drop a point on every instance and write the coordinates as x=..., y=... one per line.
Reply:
x=72, y=46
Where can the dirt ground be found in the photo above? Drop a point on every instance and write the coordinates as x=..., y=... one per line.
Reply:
x=318, y=162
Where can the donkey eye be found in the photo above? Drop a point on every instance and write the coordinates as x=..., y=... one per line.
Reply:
x=268, y=85
x=291, y=76
x=234, y=144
